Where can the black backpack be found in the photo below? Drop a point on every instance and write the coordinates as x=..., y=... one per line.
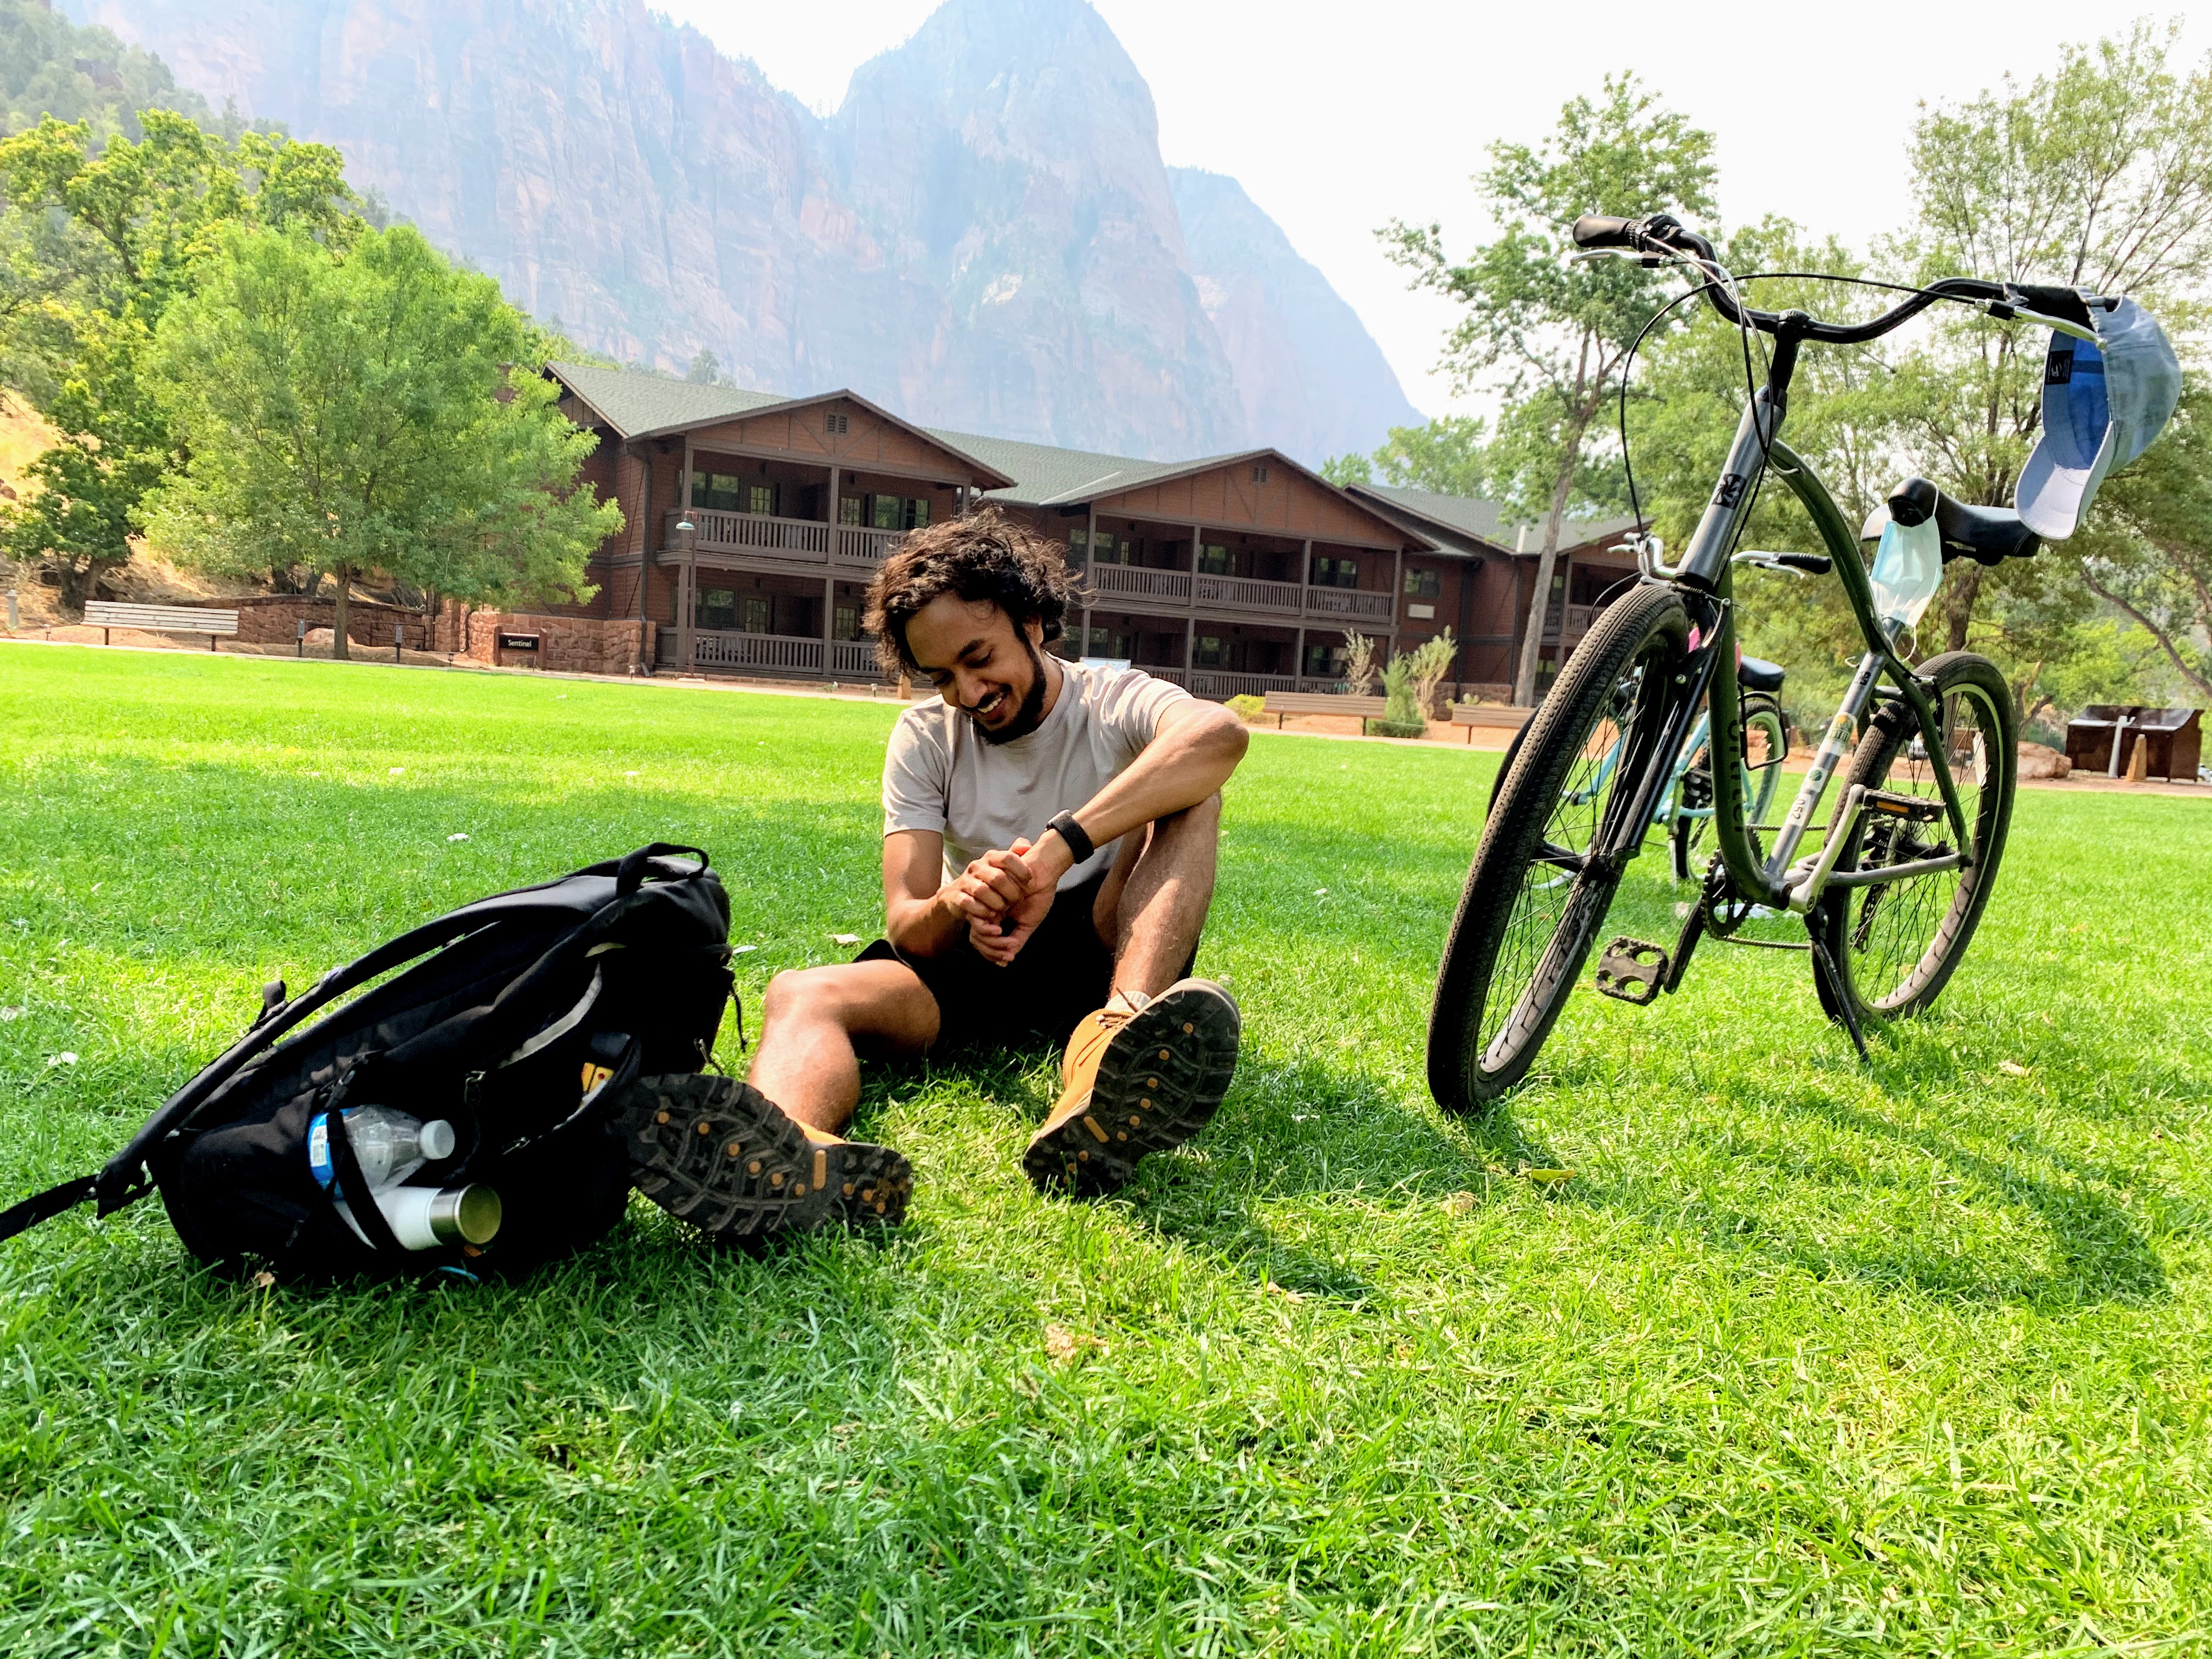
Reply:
x=529, y=1014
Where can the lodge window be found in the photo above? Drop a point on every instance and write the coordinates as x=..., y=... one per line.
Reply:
x=1106, y=642
x=717, y=608
x=845, y=623
x=760, y=499
x=756, y=614
x=1424, y=585
x=1212, y=561
x=1324, y=662
x=898, y=512
x=1102, y=548
x=1206, y=651
x=848, y=510
x=1336, y=573
x=719, y=491
x=836, y=425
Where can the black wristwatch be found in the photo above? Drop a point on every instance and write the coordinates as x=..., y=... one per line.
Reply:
x=1064, y=825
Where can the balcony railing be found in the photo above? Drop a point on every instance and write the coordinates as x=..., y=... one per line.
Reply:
x=800, y=541
x=1123, y=581
x=1349, y=602
x=857, y=545
x=853, y=659
x=1225, y=683
x=785, y=653
x=1247, y=594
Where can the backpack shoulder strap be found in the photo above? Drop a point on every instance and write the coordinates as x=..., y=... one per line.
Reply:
x=45, y=1205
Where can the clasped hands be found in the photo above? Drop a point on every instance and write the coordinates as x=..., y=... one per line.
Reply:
x=1005, y=893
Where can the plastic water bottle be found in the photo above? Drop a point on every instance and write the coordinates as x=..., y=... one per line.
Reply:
x=1908, y=568
x=390, y=1146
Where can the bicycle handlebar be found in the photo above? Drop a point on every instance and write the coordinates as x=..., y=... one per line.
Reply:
x=1658, y=236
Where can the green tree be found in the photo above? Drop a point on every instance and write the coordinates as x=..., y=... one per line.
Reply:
x=380, y=410
x=2098, y=176
x=2147, y=550
x=96, y=243
x=1551, y=332
x=50, y=67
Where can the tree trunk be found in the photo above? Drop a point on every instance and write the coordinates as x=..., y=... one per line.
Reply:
x=344, y=577
x=1532, y=647
x=1965, y=587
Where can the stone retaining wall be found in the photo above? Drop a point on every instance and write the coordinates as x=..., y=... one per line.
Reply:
x=571, y=645
x=275, y=619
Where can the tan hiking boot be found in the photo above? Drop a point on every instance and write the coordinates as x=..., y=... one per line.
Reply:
x=1136, y=1080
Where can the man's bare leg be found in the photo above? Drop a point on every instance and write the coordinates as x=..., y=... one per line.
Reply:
x=817, y=1022
x=1153, y=908
x=1144, y=1072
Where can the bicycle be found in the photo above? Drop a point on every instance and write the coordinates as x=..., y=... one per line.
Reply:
x=1686, y=805
x=1890, y=895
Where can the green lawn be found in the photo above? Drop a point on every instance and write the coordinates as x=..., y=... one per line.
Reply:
x=1806, y=1358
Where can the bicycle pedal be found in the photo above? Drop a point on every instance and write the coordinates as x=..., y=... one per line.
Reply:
x=1632, y=970
x=1913, y=809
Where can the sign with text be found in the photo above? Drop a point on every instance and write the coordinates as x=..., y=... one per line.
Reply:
x=518, y=641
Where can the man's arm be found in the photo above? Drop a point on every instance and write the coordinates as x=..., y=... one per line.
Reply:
x=921, y=916
x=924, y=915
x=1195, y=748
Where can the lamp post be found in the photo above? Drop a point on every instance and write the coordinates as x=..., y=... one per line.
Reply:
x=687, y=543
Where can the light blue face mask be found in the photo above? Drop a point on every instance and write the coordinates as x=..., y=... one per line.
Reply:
x=2102, y=406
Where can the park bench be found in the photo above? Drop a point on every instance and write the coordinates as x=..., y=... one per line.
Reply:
x=1490, y=716
x=1279, y=703
x=108, y=614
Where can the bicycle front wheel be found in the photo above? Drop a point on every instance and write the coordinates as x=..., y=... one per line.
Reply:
x=1897, y=943
x=1532, y=903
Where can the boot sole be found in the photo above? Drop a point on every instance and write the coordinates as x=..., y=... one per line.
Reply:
x=1160, y=1080
x=718, y=1153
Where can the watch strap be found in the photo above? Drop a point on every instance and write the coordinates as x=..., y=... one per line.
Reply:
x=1064, y=825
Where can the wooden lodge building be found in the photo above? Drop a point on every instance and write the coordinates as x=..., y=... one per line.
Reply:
x=1229, y=573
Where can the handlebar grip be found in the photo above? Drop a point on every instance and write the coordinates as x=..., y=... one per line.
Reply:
x=1813, y=564
x=1595, y=230
x=2064, y=302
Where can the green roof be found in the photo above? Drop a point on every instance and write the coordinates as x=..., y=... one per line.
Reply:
x=1068, y=478
x=638, y=405
x=1477, y=520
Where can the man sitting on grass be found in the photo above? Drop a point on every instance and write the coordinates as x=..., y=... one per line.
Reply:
x=1049, y=832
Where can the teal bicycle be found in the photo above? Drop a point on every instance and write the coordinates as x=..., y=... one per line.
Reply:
x=1685, y=810
x=1892, y=885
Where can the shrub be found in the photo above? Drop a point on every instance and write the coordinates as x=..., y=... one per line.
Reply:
x=1403, y=714
x=1246, y=707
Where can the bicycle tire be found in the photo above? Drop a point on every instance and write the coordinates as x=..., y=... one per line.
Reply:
x=1624, y=668
x=1896, y=944
x=1761, y=714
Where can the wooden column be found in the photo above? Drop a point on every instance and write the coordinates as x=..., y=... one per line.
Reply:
x=1089, y=565
x=1189, y=638
x=829, y=624
x=1305, y=597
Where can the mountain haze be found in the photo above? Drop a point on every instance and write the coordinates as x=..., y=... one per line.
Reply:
x=983, y=236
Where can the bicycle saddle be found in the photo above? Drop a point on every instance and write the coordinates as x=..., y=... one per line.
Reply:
x=1757, y=674
x=1987, y=535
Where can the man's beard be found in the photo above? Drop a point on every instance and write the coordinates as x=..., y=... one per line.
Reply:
x=1028, y=716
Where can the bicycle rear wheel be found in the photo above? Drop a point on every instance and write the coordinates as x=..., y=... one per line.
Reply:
x=1897, y=944
x=1765, y=744
x=1531, y=905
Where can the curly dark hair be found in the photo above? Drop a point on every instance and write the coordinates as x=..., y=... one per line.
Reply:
x=985, y=556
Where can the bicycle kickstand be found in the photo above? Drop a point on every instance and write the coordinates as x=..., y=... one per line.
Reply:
x=1839, y=993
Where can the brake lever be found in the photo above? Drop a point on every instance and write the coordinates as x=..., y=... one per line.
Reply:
x=2005, y=312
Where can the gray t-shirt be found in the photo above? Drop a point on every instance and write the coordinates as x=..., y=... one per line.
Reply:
x=939, y=774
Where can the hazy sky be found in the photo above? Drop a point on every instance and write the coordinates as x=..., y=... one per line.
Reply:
x=1336, y=119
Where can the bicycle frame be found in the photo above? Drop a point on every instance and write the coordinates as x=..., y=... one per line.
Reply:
x=1704, y=578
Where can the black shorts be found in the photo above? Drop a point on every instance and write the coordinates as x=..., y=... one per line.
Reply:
x=1063, y=973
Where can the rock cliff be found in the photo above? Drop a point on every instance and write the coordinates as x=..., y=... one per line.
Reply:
x=982, y=237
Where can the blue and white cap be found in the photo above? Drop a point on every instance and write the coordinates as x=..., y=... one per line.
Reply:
x=2102, y=406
